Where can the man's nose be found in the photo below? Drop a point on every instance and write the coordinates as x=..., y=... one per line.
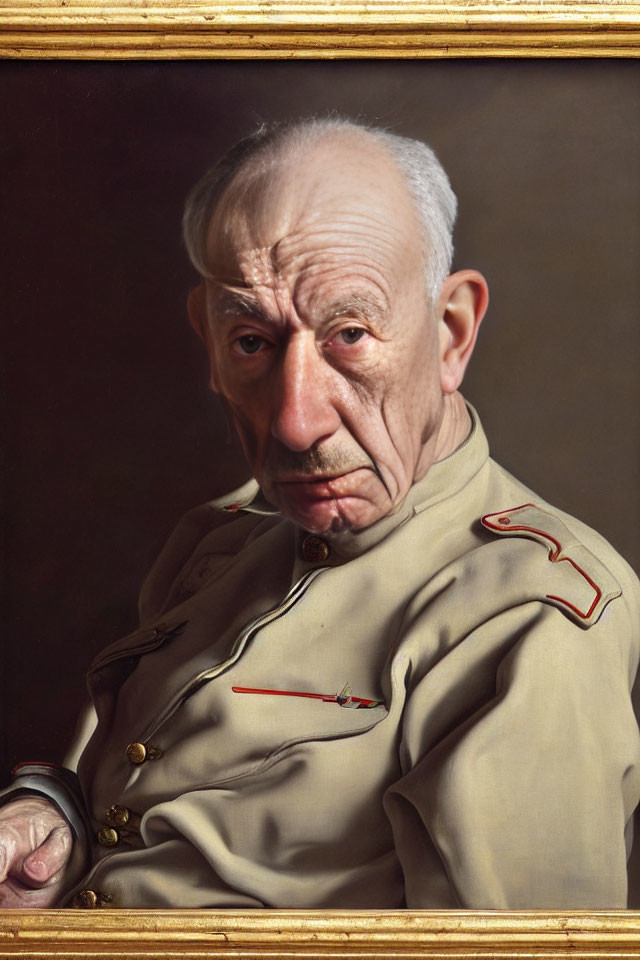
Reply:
x=304, y=412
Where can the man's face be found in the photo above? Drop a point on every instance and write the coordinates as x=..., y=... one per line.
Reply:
x=320, y=335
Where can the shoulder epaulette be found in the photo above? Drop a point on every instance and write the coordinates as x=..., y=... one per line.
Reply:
x=591, y=588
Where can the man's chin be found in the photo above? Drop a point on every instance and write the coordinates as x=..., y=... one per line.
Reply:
x=331, y=517
x=329, y=506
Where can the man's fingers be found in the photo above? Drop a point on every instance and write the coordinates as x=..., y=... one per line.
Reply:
x=16, y=896
x=35, y=845
x=48, y=859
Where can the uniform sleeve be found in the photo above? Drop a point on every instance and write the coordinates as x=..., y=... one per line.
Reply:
x=524, y=802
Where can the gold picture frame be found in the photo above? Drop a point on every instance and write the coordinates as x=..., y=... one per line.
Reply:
x=311, y=935
x=243, y=29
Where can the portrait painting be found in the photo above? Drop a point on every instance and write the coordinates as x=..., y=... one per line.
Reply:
x=112, y=431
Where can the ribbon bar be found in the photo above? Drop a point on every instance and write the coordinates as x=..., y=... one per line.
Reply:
x=343, y=699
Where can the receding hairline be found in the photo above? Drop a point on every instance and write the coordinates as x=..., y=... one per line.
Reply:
x=294, y=142
x=274, y=168
x=254, y=158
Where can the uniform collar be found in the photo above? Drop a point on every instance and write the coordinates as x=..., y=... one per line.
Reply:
x=444, y=479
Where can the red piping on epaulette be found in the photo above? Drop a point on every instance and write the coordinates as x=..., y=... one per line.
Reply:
x=554, y=558
x=34, y=763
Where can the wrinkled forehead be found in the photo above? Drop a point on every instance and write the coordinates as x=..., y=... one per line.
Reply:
x=338, y=196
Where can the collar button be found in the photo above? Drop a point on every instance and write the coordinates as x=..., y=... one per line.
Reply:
x=314, y=549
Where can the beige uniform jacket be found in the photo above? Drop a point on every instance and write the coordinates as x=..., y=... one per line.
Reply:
x=498, y=769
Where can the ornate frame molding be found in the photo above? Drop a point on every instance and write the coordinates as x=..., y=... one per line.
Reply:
x=131, y=934
x=239, y=29
x=255, y=29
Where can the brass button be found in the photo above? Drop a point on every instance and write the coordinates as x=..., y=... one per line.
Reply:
x=139, y=752
x=108, y=837
x=136, y=753
x=89, y=899
x=118, y=816
x=314, y=549
x=86, y=899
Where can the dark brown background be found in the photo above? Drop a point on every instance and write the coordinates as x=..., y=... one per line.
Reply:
x=110, y=431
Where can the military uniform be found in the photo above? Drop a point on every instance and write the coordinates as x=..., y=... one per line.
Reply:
x=434, y=712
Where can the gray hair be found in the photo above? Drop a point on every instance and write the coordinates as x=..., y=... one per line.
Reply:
x=426, y=181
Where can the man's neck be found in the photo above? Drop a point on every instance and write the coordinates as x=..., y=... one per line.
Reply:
x=454, y=428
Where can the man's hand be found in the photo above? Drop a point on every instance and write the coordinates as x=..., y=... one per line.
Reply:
x=35, y=846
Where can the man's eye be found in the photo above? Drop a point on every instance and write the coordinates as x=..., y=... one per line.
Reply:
x=249, y=343
x=351, y=335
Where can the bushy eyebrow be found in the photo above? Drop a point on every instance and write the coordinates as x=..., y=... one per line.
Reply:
x=230, y=301
x=369, y=308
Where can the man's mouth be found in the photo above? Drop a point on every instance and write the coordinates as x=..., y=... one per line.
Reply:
x=317, y=485
x=311, y=478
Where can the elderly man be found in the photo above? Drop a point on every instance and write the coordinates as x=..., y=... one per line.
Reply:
x=385, y=673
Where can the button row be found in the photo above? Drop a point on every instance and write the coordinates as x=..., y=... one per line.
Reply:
x=123, y=824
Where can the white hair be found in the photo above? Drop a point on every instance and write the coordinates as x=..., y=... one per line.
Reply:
x=426, y=180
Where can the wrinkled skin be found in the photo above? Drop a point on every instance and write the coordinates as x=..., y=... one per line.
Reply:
x=340, y=375
x=35, y=845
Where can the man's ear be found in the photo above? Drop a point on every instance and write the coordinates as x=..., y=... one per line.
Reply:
x=461, y=306
x=199, y=320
